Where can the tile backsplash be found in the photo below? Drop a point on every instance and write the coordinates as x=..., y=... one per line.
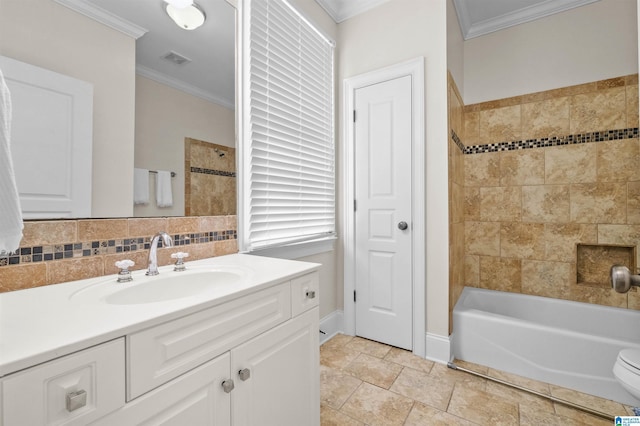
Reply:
x=543, y=173
x=57, y=251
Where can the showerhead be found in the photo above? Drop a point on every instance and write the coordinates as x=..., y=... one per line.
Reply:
x=219, y=152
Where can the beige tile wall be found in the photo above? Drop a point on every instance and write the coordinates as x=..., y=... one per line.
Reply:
x=49, y=234
x=209, y=194
x=456, y=198
x=525, y=211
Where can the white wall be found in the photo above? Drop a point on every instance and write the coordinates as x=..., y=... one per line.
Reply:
x=388, y=34
x=48, y=35
x=455, y=47
x=589, y=43
x=164, y=117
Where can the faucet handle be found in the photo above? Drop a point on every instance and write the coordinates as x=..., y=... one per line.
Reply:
x=124, y=275
x=179, y=266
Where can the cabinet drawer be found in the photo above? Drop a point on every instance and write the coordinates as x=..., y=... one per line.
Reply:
x=161, y=353
x=304, y=293
x=44, y=394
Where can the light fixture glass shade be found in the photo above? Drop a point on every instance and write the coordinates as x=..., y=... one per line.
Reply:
x=188, y=18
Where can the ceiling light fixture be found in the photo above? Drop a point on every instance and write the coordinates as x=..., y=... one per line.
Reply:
x=185, y=13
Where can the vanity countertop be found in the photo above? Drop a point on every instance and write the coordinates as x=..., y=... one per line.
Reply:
x=43, y=323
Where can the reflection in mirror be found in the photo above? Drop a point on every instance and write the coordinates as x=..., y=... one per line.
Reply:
x=184, y=90
x=150, y=94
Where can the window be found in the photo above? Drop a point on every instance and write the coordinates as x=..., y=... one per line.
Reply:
x=287, y=155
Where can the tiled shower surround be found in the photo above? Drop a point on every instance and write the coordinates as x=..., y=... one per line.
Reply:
x=533, y=176
x=57, y=251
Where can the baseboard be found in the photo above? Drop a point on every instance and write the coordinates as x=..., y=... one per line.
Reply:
x=331, y=325
x=438, y=348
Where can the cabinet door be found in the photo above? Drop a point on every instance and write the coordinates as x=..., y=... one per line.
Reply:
x=280, y=380
x=194, y=399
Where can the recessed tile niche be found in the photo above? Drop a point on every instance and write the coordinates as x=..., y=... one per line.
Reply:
x=595, y=261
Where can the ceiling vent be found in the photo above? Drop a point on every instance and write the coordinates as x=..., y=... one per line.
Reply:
x=176, y=58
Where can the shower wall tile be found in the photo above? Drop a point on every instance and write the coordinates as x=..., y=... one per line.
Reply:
x=547, y=171
x=501, y=124
x=599, y=203
x=500, y=203
x=570, y=164
x=598, y=296
x=620, y=234
x=633, y=202
x=482, y=238
x=471, y=133
x=457, y=203
x=546, y=118
x=633, y=299
x=547, y=279
x=471, y=204
x=618, y=160
x=499, y=273
x=522, y=240
x=482, y=169
x=545, y=203
x=472, y=271
x=523, y=167
x=632, y=106
x=561, y=239
x=603, y=109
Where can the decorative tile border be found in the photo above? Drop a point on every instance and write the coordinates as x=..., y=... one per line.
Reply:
x=606, y=135
x=96, y=248
x=212, y=172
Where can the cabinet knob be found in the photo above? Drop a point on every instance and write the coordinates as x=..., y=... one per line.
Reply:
x=77, y=399
x=311, y=294
x=228, y=385
x=244, y=374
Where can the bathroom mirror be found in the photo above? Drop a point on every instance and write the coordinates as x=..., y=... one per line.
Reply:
x=185, y=90
x=180, y=87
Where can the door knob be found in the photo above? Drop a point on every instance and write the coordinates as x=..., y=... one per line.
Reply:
x=402, y=225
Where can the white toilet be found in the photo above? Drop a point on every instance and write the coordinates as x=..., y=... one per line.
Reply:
x=627, y=370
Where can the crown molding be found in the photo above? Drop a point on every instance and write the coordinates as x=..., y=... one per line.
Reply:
x=341, y=10
x=183, y=87
x=104, y=17
x=476, y=29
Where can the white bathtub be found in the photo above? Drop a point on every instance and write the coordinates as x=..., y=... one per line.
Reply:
x=569, y=344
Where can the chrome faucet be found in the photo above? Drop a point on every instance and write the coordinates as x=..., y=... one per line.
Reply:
x=153, y=251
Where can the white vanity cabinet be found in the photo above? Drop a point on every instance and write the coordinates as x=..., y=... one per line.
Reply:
x=246, y=362
x=72, y=390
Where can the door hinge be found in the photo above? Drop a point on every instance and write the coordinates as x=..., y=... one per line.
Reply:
x=354, y=115
x=354, y=296
x=354, y=206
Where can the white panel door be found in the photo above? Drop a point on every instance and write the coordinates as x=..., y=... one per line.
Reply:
x=282, y=383
x=383, y=199
x=51, y=140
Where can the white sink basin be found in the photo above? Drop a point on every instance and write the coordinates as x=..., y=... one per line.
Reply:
x=167, y=286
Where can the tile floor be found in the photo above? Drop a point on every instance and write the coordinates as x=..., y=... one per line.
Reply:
x=367, y=383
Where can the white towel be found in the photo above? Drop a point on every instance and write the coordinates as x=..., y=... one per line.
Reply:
x=164, y=198
x=140, y=186
x=10, y=213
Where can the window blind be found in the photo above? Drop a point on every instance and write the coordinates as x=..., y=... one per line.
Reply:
x=290, y=189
